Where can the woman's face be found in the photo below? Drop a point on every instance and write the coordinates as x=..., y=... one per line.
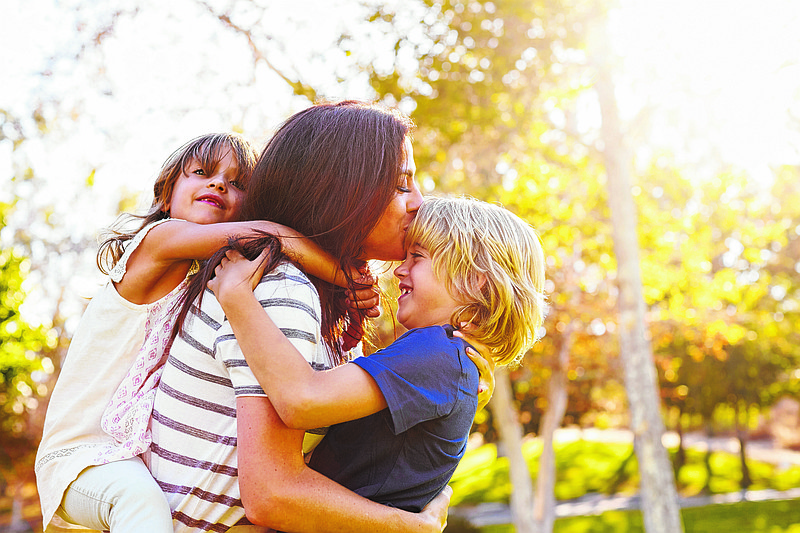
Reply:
x=385, y=241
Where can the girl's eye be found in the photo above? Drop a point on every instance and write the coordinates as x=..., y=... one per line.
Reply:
x=199, y=172
x=238, y=184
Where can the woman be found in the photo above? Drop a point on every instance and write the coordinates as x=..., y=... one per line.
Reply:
x=342, y=174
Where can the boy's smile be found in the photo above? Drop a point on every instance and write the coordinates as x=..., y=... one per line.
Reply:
x=424, y=300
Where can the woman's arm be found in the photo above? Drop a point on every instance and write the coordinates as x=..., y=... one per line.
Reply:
x=303, y=398
x=279, y=490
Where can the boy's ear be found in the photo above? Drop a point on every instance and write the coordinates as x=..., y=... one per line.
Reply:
x=466, y=327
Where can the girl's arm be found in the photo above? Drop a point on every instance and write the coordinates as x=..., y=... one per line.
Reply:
x=164, y=256
x=303, y=397
x=279, y=490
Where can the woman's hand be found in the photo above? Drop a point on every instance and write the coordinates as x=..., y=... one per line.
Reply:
x=437, y=510
x=363, y=300
x=365, y=295
x=485, y=366
x=236, y=275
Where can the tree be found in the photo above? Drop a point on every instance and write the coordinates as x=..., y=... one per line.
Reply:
x=659, y=497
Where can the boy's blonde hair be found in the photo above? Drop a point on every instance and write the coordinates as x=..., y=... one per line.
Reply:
x=491, y=262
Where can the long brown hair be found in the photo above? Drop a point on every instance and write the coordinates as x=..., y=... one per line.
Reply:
x=207, y=151
x=329, y=172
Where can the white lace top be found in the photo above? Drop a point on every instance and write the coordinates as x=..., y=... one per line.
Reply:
x=110, y=372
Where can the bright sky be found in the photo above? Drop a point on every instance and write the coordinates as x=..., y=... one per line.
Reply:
x=732, y=66
x=728, y=70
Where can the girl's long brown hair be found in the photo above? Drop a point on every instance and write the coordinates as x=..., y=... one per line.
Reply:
x=329, y=172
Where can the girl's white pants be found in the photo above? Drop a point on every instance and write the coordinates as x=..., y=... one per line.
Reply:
x=121, y=497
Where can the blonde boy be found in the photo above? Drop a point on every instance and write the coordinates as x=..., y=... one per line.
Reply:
x=399, y=419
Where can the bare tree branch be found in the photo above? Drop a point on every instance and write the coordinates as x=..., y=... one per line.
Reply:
x=299, y=88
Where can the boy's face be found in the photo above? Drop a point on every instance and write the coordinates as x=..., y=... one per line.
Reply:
x=424, y=300
x=203, y=199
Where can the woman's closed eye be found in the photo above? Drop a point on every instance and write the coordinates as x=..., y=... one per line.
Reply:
x=406, y=183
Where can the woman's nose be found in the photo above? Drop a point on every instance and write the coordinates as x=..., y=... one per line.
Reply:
x=415, y=200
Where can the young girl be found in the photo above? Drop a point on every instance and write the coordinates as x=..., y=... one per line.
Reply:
x=400, y=417
x=92, y=475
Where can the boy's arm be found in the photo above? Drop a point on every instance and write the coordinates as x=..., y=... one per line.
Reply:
x=279, y=490
x=303, y=397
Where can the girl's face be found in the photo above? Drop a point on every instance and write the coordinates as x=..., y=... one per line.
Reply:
x=424, y=300
x=203, y=199
x=386, y=240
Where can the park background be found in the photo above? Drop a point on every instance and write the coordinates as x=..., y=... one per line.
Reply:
x=513, y=101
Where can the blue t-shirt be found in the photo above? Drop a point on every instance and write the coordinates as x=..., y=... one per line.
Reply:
x=406, y=454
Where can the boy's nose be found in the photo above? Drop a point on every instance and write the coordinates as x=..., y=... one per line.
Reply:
x=400, y=272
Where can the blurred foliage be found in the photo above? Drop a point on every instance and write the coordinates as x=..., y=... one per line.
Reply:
x=23, y=358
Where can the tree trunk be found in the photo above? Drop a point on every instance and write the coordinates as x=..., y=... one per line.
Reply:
x=680, y=454
x=659, y=497
x=707, y=459
x=741, y=435
x=544, y=505
x=510, y=430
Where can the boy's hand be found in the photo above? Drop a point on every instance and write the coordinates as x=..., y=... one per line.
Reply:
x=437, y=509
x=236, y=275
x=485, y=366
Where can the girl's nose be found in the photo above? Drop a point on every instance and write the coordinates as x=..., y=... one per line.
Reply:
x=217, y=182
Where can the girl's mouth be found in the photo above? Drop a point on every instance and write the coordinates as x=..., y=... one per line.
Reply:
x=211, y=200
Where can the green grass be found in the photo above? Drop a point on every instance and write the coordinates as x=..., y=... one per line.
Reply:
x=608, y=468
x=781, y=516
